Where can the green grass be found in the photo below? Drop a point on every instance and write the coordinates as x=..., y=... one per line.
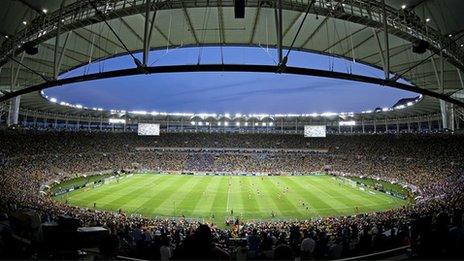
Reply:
x=250, y=197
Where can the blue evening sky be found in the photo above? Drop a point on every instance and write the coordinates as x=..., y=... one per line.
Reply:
x=229, y=92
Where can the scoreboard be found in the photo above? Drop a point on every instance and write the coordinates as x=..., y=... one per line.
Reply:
x=315, y=131
x=148, y=129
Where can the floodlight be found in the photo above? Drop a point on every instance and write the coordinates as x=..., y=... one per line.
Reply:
x=53, y=100
x=226, y=123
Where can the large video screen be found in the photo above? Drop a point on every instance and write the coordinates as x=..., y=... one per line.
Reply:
x=148, y=129
x=315, y=131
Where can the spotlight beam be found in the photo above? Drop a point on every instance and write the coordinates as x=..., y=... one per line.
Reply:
x=231, y=68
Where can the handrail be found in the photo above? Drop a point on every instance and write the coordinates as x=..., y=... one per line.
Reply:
x=375, y=254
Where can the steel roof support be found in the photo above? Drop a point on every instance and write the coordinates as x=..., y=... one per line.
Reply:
x=387, y=42
x=131, y=29
x=57, y=40
x=381, y=54
x=315, y=31
x=102, y=38
x=60, y=59
x=147, y=33
x=358, y=45
x=255, y=23
x=460, y=78
x=35, y=9
x=92, y=45
x=13, y=112
x=344, y=38
x=189, y=22
x=231, y=68
x=221, y=23
x=279, y=23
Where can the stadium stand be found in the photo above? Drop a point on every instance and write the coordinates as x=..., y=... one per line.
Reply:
x=432, y=164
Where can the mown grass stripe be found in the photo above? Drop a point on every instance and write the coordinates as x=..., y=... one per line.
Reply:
x=317, y=200
x=338, y=191
x=205, y=207
x=307, y=197
x=264, y=197
x=359, y=200
x=219, y=202
x=192, y=198
x=332, y=202
x=285, y=206
x=151, y=205
x=126, y=198
x=91, y=195
x=249, y=202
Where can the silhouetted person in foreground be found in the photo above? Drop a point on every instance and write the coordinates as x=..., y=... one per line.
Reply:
x=200, y=245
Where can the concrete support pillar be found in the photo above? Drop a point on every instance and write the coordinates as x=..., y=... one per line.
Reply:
x=13, y=112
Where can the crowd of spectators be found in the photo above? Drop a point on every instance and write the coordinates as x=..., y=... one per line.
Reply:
x=433, y=164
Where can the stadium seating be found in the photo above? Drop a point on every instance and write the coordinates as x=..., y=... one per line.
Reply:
x=433, y=164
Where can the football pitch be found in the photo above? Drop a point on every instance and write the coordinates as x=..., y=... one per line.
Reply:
x=219, y=197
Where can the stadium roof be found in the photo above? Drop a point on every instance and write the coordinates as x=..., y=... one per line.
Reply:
x=353, y=29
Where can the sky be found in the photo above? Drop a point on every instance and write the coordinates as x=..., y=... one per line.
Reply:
x=229, y=92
